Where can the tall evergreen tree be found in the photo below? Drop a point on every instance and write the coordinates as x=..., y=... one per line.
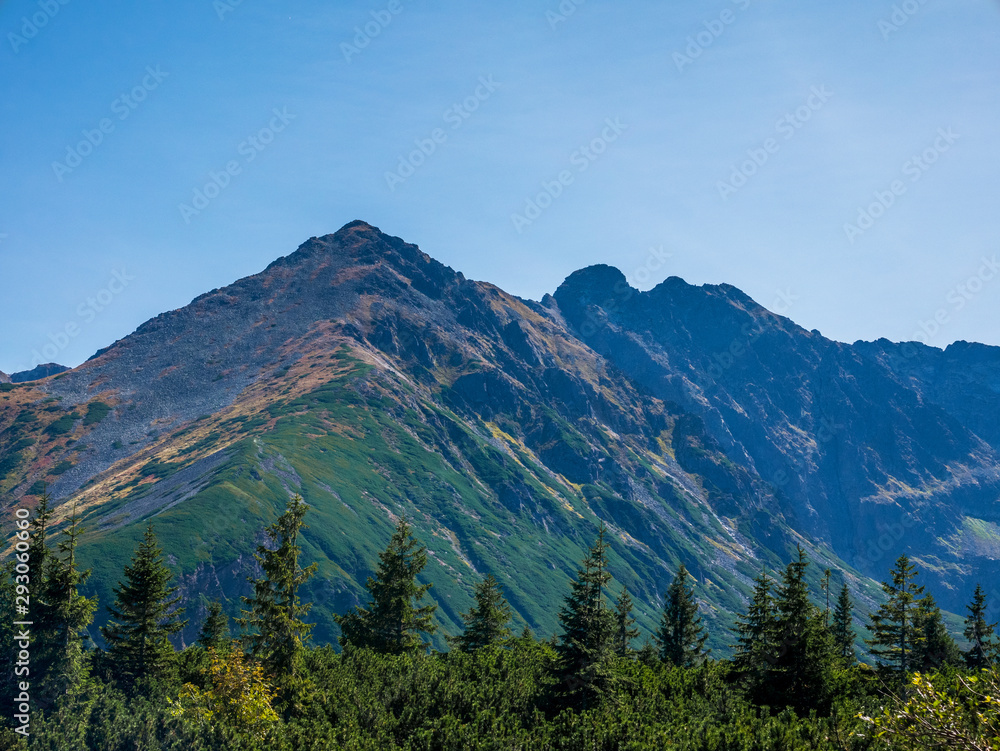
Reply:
x=756, y=648
x=488, y=622
x=63, y=615
x=933, y=646
x=392, y=622
x=214, y=632
x=801, y=669
x=681, y=636
x=585, y=647
x=892, y=626
x=144, y=617
x=38, y=551
x=983, y=651
x=625, y=630
x=275, y=633
x=842, y=628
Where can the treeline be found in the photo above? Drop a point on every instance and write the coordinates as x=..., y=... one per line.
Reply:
x=794, y=681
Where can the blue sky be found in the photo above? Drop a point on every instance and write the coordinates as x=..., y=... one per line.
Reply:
x=838, y=162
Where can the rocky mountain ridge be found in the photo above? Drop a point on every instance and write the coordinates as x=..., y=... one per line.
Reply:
x=376, y=381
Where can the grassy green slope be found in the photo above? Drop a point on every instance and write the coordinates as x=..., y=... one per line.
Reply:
x=363, y=449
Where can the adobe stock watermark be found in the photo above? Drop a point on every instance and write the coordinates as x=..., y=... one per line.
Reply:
x=33, y=24
x=249, y=149
x=87, y=311
x=225, y=7
x=122, y=107
x=562, y=13
x=21, y=667
x=914, y=168
x=581, y=159
x=786, y=127
x=363, y=35
x=455, y=116
x=713, y=29
x=956, y=299
x=900, y=16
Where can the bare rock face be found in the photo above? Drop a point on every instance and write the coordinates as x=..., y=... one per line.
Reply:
x=859, y=441
x=4, y=378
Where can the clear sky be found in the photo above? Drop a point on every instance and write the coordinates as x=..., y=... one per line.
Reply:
x=839, y=162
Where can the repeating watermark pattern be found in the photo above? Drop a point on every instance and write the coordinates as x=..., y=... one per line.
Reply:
x=33, y=24
x=455, y=116
x=122, y=107
x=713, y=29
x=562, y=13
x=249, y=149
x=225, y=7
x=22, y=626
x=956, y=299
x=87, y=312
x=913, y=168
x=581, y=159
x=363, y=35
x=900, y=16
x=786, y=127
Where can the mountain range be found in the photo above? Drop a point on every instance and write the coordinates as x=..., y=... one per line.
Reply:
x=376, y=382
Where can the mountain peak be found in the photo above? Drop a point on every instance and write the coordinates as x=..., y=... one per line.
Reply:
x=593, y=284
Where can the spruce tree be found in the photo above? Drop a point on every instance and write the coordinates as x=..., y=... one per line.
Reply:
x=801, y=669
x=892, y=626
x=144, y=617
x=842, y=628
x=488, y=622
x=933, y=646
x=625, y=630
x=648, y=654
x=756, y=648
x=585, y=647
x=983, y=650
x=214, y=632
x=272, y=621
x=38, y=551
x=392, y=622
x=681, y=636
x=63, y=615
x=527, y=636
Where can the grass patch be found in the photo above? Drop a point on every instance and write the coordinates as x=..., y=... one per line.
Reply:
x=96, y=411
x=63, y=425
x=61, y=467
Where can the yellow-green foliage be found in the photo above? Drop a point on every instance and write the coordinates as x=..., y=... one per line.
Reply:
x=239, y=695
x=944, y=712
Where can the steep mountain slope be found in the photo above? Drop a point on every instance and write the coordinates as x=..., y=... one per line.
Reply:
x=376, y=382
x=855, y=452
